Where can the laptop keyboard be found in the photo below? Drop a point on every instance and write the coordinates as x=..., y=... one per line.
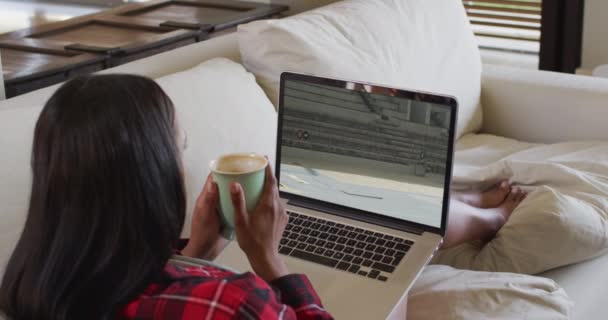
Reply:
x=364, y=252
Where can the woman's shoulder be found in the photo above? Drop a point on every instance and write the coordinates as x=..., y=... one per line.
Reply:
x=195, y=290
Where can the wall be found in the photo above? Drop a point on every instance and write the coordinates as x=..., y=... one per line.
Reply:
x=595, y=46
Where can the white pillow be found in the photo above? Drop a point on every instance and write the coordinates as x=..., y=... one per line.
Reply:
x=415, y=44
x=222, y=110
x=445, y=293
x=563, y=221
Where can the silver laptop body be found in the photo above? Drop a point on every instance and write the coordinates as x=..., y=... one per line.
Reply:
x=365, y=173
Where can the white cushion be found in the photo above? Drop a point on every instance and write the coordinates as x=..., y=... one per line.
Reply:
x=222, y=110
x=218, y=104
x=415, y=44
x=443, y=293
x=564, y=219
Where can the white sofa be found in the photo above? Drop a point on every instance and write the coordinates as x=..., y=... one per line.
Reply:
x=572, y=108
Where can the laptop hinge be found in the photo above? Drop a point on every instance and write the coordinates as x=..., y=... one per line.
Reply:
x=368, y=219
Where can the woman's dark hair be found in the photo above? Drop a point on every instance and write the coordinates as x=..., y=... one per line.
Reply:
x=107, y=204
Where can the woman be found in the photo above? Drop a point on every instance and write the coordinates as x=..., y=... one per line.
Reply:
x=106, y=210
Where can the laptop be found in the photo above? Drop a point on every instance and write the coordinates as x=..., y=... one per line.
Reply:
x=365, y=172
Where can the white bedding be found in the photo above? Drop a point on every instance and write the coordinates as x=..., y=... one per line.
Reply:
x=537, y=239
x=444, y=293
x=563, y=220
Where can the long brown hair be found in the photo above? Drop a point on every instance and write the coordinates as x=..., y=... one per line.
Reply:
x=107, y=202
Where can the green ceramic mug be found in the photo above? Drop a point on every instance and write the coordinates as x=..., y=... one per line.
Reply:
x=247, y=169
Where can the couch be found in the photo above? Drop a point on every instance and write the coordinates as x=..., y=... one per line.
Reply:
x=513, y=102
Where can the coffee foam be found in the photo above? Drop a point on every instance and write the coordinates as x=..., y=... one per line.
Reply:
x=240, y=163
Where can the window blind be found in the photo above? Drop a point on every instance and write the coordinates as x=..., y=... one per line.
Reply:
x=509, y=25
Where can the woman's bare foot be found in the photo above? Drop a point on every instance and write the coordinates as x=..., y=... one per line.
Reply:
x=497, y=217
x=490, y=198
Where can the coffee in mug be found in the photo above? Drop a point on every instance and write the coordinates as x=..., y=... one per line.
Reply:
x=247, y=169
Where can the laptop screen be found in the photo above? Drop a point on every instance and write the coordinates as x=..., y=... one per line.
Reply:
x=371, y=148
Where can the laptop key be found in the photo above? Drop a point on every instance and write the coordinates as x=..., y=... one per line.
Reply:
x=352, y=235
x=343, y=265
x=373, y=274
x=315, y=226
x=370, y=247
x=351, y=242
x=297, y=222
x=387, y=237
x=370, y=239
x=349, y=228
x=288, y=227
x=348, y=258
x=311, y=240
x=285, y=250
x=354, y=268
x=361, y=245
x=333, y=237
x=382, y=278
x=358, y=230
x=363, y=273
x=378, y=235
x=330, y=223
x=380, y=242
x=296, y=229
x=306, y=224
x=324, y=228
x=342, y=233
x=358, y=252
x=387, y=260
x=306, y=231
x=367, y=255
x=292, y=244
x=380, y=250
x=330, y=245
x=313, y=219
x=302, y=238
x=321, y=243
x=338, y=255
x=383, y=267
x=324, y=235
x=284, y=241
x=319, y=251
x=402, y=247
x=329, y=253
x=315, y=233
x=390, y=252
x=286, y=234
x=301, y=246
x=369, y=233
x=339, y=225
x=361, y=237
x=293, y=236
x=339, y=247
x=333, y=230
x=377, y=257
x=314, y=258
x=357, y=260
x=409, y=243
x=367, y=263
x=311, y=248
x=398, y=240
x=390, y=244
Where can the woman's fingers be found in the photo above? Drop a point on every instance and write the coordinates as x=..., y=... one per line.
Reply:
x=240, y=207
x=207, y=200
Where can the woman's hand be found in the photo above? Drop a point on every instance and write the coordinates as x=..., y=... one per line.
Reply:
x=206, y=241
x=259, y=232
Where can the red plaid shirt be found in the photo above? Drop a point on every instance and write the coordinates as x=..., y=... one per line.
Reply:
x=210, y=293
